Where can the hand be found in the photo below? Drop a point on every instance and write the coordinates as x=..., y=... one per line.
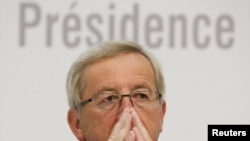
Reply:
x=129, y=128
x=141, y=133
x=122, y=129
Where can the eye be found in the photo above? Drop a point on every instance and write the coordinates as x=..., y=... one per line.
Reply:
x=105, y=101
x=110, y=98
x=141, y=96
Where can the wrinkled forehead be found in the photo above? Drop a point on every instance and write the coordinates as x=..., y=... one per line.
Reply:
x=122, y=60
x=124, y=69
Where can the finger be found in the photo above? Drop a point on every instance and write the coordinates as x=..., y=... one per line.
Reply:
x=138, y=134
x=121, y=129
x=139, y=129
x=131, y=136
x=137, y=121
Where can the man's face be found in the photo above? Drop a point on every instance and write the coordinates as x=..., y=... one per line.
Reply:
x=122, y=73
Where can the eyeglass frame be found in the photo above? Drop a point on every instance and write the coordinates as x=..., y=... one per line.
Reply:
x=84, y=102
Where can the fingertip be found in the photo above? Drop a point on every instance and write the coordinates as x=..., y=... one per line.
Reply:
x=123, y=113
x=134, y=114
x=131, y=136
x=126, y=110
x=132, y=109
x=134, y=129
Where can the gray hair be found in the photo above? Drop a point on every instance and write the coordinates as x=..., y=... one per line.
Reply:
x=76, y=81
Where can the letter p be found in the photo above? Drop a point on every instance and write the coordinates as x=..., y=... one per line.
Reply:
x=24, y=24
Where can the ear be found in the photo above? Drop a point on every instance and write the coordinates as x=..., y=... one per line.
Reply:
x=163, y=111
x=164, y=108
x=73, y=119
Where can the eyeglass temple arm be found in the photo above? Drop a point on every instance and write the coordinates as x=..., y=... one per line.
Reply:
x=85, y=102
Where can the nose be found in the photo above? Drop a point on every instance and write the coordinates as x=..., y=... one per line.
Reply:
x=126, y=102
x=126, y=96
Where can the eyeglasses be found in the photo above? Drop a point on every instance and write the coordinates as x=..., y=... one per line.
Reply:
x=107, y=100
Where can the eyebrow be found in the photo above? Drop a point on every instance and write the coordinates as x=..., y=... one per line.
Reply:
x=105, y=88
x=113, y=89
x=142, y=85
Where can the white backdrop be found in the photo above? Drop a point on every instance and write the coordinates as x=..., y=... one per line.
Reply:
x=205, y=59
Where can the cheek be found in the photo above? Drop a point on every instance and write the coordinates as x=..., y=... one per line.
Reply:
x=97, y=124
x=152, y=120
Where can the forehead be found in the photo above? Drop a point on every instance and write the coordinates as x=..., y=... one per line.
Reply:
x=122, y=69
x=128, y=60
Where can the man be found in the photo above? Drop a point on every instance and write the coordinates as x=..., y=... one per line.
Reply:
x=115, y=92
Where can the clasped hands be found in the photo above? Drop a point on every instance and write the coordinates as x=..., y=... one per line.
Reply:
x=129, y=127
